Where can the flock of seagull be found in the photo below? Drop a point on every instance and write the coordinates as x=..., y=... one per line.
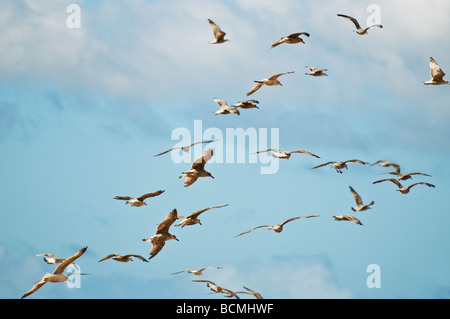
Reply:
x=197, y=170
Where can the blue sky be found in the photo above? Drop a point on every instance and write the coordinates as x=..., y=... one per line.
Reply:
x=84, y=111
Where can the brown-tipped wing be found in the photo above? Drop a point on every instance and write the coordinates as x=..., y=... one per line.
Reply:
x=304, y=152
x=254, y=293
x=356, y=196
x=164, y=226
x=436, y=72
x=255, y=88
x=68, y=261
x=275, y=76
x=356, y=161
x=139, y=257
x=222, y=103
x=107, y=257
x=262, y=226
x=195, y=214
x=143, y=197
x=173, y=148
x=123, y=197
x=38, y=285
x=297, y=34
x=156, y=248
x=324, y=164
x=201, y=142
x=267, y=150
x=393, y=180
x=386, y=163
x=278, y=42
x=348, y=218
x=422, y=183
x=299, y=217
x=355, y=22
x=218, y=33
x=200, y=162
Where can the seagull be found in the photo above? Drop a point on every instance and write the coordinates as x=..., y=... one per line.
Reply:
x=247, y=104
x=403, y=189
x=273, y=80
x=252, y=292
x=278, y=227
x=58, y=274
x=349, y=218
x=185, y=148
x=338, y=166
x=224, y=108
x=140, y=201
x=162, y=234
x=386, y=164
x=196, y=272
x=219, y=35
x=405, y=176
x=359, y=204
x=230, y=293
x=51, y=259
x=360, y=30
x=212, y=285
x=437, y=75
x=198, y=168
x=192, y=219
x=123, y=258
x=285, y=154
x=291, y=39
x=316, y=72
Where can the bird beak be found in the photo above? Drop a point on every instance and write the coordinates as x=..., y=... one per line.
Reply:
x=212, y=176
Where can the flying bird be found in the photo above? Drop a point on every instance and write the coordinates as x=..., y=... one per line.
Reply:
x=219, y=35
x=387, y=164
x=291, y=39
x=51, y=259
x=123, y=258
x=348, y=218
x=139, y=201
x=278, y=227
x=403, y=189
x=359, y=204
x=437, y=75
x=247, y=104
x=230, y=293
x=224, y=108
x=273, y=80
x=360, y=30
x=196, y=272
x=162, y=234
x=198, y=168
x=185, y=148
x=316, y=72
x=285, y=154
x=256, y=294
x=58, y=274
x=405, y=176
x=212, y=285
x=339, y=166
x=192, y=219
